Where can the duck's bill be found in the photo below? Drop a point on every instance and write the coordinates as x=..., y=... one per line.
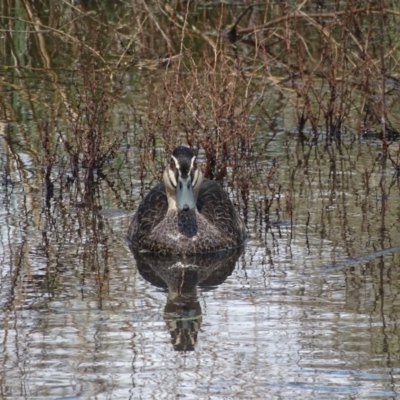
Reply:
x=184, y=194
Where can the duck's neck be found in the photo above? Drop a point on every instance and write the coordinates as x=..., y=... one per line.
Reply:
x=172, y=203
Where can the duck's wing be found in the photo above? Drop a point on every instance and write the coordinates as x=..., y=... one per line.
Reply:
x=150, y=213
x=214, y=204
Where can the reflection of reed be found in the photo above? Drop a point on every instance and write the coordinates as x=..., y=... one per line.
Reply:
x=181, y=276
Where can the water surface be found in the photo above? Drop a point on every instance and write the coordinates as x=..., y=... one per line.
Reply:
x=92, y=93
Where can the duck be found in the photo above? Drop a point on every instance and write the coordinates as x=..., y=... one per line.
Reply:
x=186, y=213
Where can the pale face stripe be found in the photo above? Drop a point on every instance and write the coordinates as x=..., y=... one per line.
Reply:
x=171, y=177
x=192, y=162
x=196, y=176
x=176, y=162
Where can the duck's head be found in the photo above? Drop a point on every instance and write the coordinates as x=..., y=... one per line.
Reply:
x=182, y=179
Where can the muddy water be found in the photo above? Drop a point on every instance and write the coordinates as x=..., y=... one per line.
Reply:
x=309, y=309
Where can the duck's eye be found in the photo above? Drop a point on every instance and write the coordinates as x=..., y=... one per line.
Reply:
x=172, y=164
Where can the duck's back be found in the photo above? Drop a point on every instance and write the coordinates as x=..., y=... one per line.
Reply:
x=215, y=225
x=214, y=204
x=150, y=213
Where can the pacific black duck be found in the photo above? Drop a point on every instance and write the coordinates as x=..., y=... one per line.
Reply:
x=186, y=214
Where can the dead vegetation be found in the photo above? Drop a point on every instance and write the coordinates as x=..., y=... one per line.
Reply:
x=224, y=79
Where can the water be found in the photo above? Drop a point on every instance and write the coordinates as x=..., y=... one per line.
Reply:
x=299, y=315
x=309, y=309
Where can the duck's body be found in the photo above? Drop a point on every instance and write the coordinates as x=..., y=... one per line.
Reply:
x=186, y=214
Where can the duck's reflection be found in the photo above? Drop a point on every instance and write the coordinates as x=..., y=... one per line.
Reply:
x=181, y=275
